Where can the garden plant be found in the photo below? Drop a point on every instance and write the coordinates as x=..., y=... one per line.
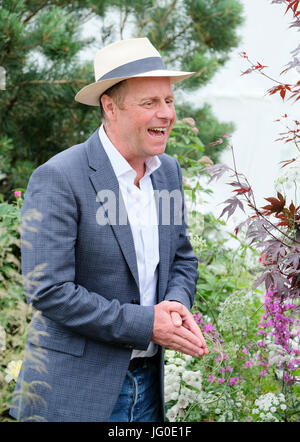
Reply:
x=247, y=302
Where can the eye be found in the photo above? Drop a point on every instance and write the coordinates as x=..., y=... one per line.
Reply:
x=169, y=101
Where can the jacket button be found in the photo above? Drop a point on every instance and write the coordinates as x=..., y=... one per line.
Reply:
x=135, y=301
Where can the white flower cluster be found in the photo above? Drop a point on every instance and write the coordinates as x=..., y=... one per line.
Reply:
x=198, y=243
x=267, y=405
x=2, y=339
x=12, y=371
x=177, y=382
x=226, y=416
x=289, y=178
x=278, y=355
x=233, y=310
x=224, y=408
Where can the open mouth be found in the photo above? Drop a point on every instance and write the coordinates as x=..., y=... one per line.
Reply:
x=157, y=132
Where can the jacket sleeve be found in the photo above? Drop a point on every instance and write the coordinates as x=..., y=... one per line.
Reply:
x=183, y=275
x=52, y=289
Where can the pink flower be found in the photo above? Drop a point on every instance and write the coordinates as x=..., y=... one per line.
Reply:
x=261, y=343
x=189, y=120
x=211, y=378
x=198, y=318
x=18, y=193
x=262, y=258
x=229, y=368
x=233, y=381
x=219, y=141
x=208, y=328
x=222, y=357
x=248, y=363
x=221, y=380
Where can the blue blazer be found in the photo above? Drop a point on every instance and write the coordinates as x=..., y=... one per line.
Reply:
x=85, y=291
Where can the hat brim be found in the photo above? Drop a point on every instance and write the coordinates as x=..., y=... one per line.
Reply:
x=91, y=93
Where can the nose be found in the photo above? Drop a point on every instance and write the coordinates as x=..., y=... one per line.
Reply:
x=165, y=111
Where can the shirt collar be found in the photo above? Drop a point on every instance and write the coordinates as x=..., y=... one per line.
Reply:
x=118, y=162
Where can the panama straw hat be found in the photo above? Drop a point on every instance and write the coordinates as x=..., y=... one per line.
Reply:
x=132, y=58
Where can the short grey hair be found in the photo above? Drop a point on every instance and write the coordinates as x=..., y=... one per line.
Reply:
x=117, y=93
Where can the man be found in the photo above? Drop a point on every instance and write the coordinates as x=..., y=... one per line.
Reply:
x=118, y=282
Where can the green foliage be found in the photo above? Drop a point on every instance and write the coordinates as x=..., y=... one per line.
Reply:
x=184, y=143
x=39, y=45
x=222, y=271
x=210, y=129
x=6, y=147
x=237, y=381
x=241, y=379
x=15, y=314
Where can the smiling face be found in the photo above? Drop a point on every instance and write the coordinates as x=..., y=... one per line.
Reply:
x=140, y=127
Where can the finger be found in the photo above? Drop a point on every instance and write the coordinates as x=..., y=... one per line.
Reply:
x=183, y=345
x=188, y=320
x=176, y=318
x=186, y=334
x=194, y=328
x=190, y=323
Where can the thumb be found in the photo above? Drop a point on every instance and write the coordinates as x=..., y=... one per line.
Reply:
x=176, y=319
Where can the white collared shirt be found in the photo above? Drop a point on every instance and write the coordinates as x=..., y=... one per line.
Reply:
x=142, y=216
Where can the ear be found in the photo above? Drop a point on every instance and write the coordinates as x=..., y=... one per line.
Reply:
x=108, y=106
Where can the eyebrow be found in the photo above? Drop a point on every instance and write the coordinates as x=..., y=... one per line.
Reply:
x=156, y=98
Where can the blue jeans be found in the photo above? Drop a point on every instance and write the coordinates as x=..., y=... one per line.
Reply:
x=139, y=400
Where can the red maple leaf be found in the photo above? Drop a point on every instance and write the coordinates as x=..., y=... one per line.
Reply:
x=257, y=67
x=243, y=54
x=260, y=66
x=219, y=141
x=288, y=216
x=242, y=190
x=293, y=5
x=282, y=88
x=287, y=162
x=276, y=206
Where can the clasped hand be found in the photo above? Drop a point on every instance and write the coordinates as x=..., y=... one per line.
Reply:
x=175, y=328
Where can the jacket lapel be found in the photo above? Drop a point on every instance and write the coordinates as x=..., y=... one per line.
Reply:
x=103, y=177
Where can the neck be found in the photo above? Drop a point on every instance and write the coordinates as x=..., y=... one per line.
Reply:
x=137, y=163
x=139, y=174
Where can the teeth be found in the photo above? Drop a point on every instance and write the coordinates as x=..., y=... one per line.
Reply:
x=158, y=129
